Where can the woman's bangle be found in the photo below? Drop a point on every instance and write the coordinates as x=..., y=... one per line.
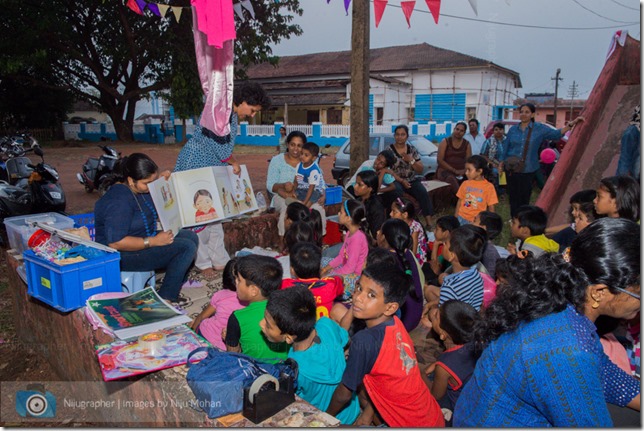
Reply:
x=146, y=242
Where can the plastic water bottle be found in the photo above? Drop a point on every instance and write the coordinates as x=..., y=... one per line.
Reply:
x=261, y=201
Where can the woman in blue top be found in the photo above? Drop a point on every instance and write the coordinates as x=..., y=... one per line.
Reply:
x=543, y=364
x=126, y=220
x=520, y=183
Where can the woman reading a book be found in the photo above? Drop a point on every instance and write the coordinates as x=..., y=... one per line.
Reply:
x=206, y=149
x=126, y=220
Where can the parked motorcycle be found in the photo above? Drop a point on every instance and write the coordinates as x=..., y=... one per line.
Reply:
x=37, y=192
x=95, y=171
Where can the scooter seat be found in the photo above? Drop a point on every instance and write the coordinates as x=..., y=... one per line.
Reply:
x=92, y=163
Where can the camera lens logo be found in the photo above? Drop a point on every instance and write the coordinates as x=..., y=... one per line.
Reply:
x=36, y=402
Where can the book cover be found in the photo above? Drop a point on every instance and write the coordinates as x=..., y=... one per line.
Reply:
x=136, y=314
x=121, y=359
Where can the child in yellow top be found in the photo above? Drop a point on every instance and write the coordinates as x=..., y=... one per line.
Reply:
x=476, y=194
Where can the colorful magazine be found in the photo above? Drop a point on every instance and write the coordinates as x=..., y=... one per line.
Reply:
x=136, y=314
x=201, y=196
x=121, y=359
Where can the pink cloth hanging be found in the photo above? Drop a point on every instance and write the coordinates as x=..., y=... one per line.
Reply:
x=216, y=18
x=215, y=67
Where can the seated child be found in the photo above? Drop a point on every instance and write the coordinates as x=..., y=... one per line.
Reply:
x=256, y=277
x=493, y=226
x=213, y=319
x=564, y=234
x=297, y=211
x=308, y=182
x=463, y=250
x=437, y=264
x=382, y=360
x=305, y=269
x=528, y=227
x=317, y=347
x=405, y=210
x=454, y=325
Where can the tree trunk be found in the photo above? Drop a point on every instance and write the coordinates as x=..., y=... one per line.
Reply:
x=359, y=84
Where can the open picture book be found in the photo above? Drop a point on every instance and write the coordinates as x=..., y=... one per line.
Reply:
x=201, y=196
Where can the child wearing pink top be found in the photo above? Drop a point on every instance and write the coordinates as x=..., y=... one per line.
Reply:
x=214, y=318
x=349, y=262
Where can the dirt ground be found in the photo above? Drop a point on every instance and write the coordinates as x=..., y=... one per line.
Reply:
x=18, y=364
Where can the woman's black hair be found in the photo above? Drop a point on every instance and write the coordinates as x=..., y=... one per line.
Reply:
x=461, y=123
x=458, y=318
x=606, y=252
x=531, y=107
x=228, y=277
x=401, y=126
x=137, y=166
x=358, y=214
x=511, y=269
x=389, y=157
x=626, y=192
x=252, y=93
x=398, y=236
x=479, y=162
x=370, y=179
x=295, y=134
x=297, y=211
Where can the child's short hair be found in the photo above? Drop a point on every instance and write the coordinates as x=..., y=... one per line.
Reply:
x=394, y=282
x=312, y=148
x=380, y=256
x=479, y=162
x=492, y=222
x=532, y=217
x=448, y=223
x=499, y=126
x=297, y=211
x=389, y=157
x=293, y=311
x=299, y=231
x=581, y=197
x=626, y=192
x=458, y=319
x=201, y=192
x=262, y=271
x=305, y=259
x=466, y=243
x=229, y=275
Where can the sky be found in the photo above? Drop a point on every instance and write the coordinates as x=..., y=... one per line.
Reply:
x=534, y=52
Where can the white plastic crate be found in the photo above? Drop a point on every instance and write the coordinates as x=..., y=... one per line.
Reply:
x=19, y=231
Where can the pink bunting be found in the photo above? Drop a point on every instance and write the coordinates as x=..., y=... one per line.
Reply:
x=346, y=6
x=435, y=8
x=379, y=9
x=135, y=7
x=408, y=9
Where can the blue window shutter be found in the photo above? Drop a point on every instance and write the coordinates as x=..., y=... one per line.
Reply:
x=371, y=109
x=421, y=111
x=440, y=107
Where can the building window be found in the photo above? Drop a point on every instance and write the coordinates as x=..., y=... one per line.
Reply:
x=379, y=116
x=550, y=119
x=334, y=116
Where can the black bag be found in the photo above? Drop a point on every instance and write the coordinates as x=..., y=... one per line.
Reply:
x=514, y=164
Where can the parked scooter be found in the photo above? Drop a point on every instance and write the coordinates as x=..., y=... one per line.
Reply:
x=96, y=171
x=39, y=192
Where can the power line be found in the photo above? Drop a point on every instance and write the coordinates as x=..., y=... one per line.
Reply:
x=521, y=25
x=595, y=13
x=623, y=5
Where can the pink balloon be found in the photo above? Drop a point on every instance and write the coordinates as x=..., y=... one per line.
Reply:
x=548, y=156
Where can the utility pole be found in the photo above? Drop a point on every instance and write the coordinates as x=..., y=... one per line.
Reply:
x=556, y=79
x=572, y=93
x=359, y=130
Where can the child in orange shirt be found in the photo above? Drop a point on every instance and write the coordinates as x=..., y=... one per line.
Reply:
x=476, y=194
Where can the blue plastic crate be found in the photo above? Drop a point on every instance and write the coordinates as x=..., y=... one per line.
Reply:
x=67, y=287
x=85, y=220
x=333, y=195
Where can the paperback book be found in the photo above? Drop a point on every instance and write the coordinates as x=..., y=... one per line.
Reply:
x=136, y=314
x=121, y=359
x=201, y=196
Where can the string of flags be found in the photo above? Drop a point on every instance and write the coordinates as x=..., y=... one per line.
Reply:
x=161, y=9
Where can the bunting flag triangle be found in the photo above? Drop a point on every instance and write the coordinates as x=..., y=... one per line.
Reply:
x=435, y=8
x=163, y=9
x=154, y=9
x=177, y=12
x=249, y=7
x=408, y=9
x=346, y=6
x=473, y=4
x=238, y=10
x=134, y=6
x=379, y=9
x=142, y=5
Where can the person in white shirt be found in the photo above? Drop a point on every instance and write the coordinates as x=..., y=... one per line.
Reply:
x=475, y=138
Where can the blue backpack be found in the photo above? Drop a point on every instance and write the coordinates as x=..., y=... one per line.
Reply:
x=218, y=381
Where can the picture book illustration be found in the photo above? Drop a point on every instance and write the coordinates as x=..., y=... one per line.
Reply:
x=121, y=359
x=141, y=312
x=200, y=196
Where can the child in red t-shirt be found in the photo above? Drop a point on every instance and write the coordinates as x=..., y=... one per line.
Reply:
x=382, y=365
x=305, y=258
